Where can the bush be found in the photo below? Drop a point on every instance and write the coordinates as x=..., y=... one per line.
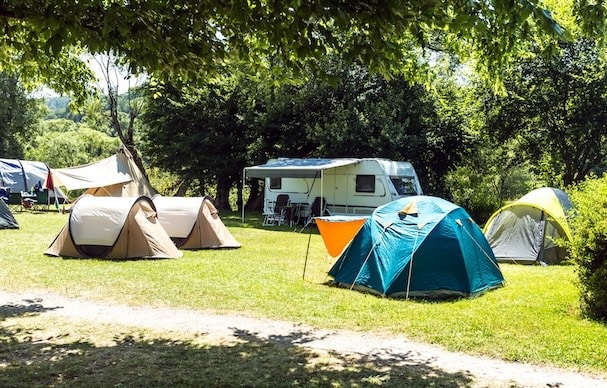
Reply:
x=588, y=249
x=470, y=191
x=483, y=192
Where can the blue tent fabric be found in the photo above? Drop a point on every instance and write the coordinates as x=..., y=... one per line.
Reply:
x=419, y=246
x=7, y=220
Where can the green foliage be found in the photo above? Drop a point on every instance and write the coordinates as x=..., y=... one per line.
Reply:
x=591, y=16
x=164, y=182
x=96, y=115
x=588, y=248
x=197, y=135
x=57, y=106
x=362, y=115
x=473, y=191
x=234, y=122
x=489, y=177
x=18, y=114
x=64, y=143
x=553, y=106
x=191, y=39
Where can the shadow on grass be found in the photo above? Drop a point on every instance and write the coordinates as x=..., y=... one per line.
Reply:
x=254, y=220
x=33, y=306
x=138, y=361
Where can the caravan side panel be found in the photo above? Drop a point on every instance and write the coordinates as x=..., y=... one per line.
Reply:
x=356, y=189
x=353, y=189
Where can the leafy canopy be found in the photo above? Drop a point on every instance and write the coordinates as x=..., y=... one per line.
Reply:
x=191, y=39
x=554, y=108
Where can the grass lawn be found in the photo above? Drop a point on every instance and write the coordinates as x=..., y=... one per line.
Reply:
x=534, y=319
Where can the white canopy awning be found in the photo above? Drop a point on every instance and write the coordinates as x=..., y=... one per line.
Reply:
x=295, y=168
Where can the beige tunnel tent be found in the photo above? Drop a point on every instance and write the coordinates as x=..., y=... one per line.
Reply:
x=113, y=228
x=193, y=223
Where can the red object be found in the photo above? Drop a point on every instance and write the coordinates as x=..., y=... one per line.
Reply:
x=49, y=181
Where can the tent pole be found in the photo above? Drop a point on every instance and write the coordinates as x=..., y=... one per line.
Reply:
x=244, y=171
x=368, y=256
x=322, y=189
x=411, y=266
x=24, y=175
x=540, y=253
x=307, y=250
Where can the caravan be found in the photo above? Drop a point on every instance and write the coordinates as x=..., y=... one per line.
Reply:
x=349, y=186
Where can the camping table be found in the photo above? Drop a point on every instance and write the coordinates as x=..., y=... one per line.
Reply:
x=303, y=212
x=290, y=213
x=295, y=211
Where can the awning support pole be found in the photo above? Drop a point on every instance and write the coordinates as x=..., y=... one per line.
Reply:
x=307, y=251
x=244, y=171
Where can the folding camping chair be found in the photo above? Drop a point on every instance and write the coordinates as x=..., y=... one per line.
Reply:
x=275, y=215
x=15, y=201
x=318, y=208
x=268, y=213
x=42, y=199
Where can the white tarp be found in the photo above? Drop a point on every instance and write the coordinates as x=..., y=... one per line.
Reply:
x=106, y=172
x=116, y=176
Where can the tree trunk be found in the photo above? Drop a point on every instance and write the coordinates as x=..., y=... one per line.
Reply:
x=222, y=200
x=202, y=187
x=239, y=198
x=182, y=188
x=255, y=200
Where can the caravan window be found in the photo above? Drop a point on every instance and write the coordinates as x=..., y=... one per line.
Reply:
x=404, y=185
x=365, y=183
x=275, y=183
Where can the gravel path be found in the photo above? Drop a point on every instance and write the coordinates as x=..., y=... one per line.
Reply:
x=486, y=372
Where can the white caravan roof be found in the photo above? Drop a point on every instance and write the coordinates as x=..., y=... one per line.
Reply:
x=295, y=168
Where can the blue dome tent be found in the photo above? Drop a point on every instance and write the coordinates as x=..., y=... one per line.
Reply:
x=419, y=246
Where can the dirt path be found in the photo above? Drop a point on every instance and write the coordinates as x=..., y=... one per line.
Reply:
x=486, y=372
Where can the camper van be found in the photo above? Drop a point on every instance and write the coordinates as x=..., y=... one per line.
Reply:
x=349, y=186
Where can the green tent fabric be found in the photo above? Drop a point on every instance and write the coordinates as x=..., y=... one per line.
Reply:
x=419, y=246
x=527, y=230
x=7, y=220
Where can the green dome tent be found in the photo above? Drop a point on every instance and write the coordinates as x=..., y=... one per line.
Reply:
x=526, y=230
x=419, y=246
